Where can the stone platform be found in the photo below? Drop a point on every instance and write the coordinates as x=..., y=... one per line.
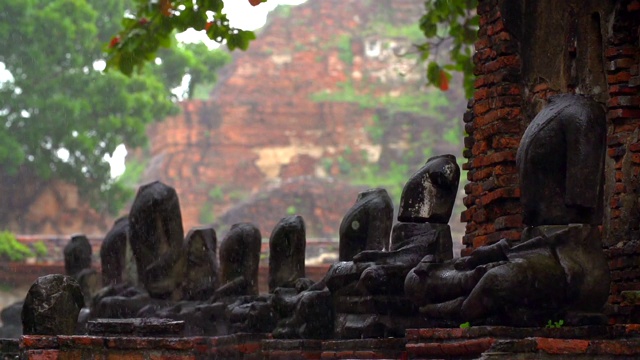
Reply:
x=589, y=342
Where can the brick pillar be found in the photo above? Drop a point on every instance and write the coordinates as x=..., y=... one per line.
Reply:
x=494, y=126
x=622, y=215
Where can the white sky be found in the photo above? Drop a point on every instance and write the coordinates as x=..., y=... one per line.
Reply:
x=241, y=15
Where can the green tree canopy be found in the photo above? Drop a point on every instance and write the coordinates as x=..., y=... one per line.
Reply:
x=449, y=27
x=60, y=115
x=150, y=25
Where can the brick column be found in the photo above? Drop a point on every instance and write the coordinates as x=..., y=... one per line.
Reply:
x=494, y=125
x=622, y=215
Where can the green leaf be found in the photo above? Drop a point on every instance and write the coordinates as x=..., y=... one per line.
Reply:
x=433, y=73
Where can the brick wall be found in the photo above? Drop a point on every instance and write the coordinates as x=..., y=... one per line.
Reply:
x=614, y=342
x=526, y=52
x=622, y=238
x=494, y=125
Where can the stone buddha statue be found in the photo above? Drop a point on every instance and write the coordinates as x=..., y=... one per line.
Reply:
x=558, y=267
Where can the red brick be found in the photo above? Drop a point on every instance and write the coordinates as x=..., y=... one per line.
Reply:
x=466, y=215
x=633, y=6
x=81, y=341
x=504, y=169
x=632, y=328
x=501, y=36
x=635, y=158
x=469, y=200
x=130, y=343
x=70, y=354
x=481, y=43
x=624, y=126
x=492, y=15
x=635, y=147
x=503, y=62
x=508, y=221
x=480, y=147
x=491, y=238
x=562, y=346
x=614, y=203
x=624, y=51
x=622, y=89
x=504, y=127
x=616, y=152
x=369, y=355
x=169, y=356
x=495, y=28
x=480, y=216
x=497, y=157
x=471, y=227
x=615, y=348
x=488, y=185
x=494, y=78
x=540, y=87
x=616, y=139
x=465, y=348
x=481, y=107
x=177, y=343
x=620, y=64
x=329, y=355
x=498, y=115
x=125, y=355
x=479, y=241
x=41, y=355
x=485, y=229
x=619, y=101
x=39, y=342
x=502, y=193
x=481, y=174
x=621, y=77
x=249, y=348
x=615, y=213
x=483, y=55
x=500, y=143
x=473, y=189
x=506, y=180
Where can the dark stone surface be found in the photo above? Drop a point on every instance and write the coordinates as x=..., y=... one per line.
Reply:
x=286, y=252
x=561, y=161
x=52, y=306
x=156, y=237
x=375, y=272
x=11, y=320
x=430, y=193
x=136, y=327
x=368, y=326
x=12, y=314
x=378, y=304
x=311, y=316
x=77, y=255
x=558, y=270
x=544, y=277
x=369, y=292
x=201, y=275
x=367, y=225
x=89, y=282
x=239, y=260
x=112, y=252
x=251, y=314
x=118, y=301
